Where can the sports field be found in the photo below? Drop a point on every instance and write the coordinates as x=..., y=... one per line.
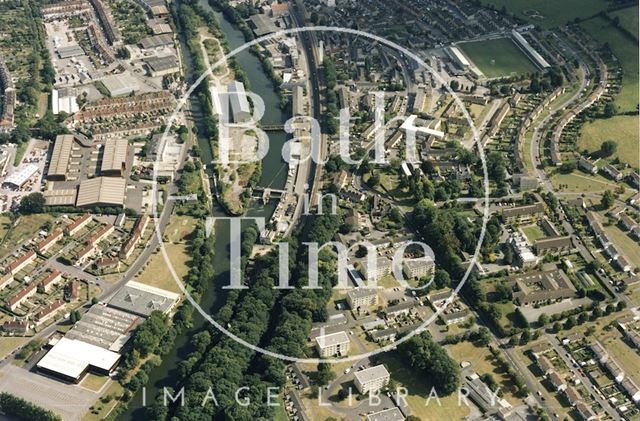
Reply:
x=497, y=57
x=547, y=13
x=621, y=129
x=626, y=50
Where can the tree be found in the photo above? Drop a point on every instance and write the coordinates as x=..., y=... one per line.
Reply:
x=324, y=374
x=32, y=203
x=432, y=360
x=441, y=278
x=17, y=408
x=607, y=199
x=503, y=291
x=610, y=109
x=454, y=85
x=608, y=148
x=543, y=319
x=484, y=336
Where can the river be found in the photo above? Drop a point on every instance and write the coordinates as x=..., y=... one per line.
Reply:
x=274, y=174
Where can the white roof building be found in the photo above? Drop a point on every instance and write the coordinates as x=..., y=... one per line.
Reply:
x=70, y=359
x=18, y=178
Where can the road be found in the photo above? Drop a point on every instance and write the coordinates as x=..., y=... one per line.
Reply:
x=583, y=379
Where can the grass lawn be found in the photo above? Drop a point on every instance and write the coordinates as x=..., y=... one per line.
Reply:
x=628, y=18
x=388, y=281
x=550, y=13
x=26, y=228
x=179, y=228
x=94, y=382
x=101, y=410
x=532, y=232
x=626, y=51
x=579, y=182
x=8, y=344
x=418, y=389
x=621, y=129
x=157, y=273
x=5, y=224
x=280, y=414
x=497, y=57
x=625, y=244
x=623, y=353
x=482, y=362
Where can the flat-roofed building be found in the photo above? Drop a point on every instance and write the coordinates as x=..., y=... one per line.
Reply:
x=114, y=157
x=142, y=299
x=60, y=157
x=391, y=414
x=541, y=287
x=121, y=84
x=333, y=344
x=417, y=268
x=71, y=359
x=297, y=101
x=102, y=191
x=22, y=262
x=372, y=379
x=50, y=241
x=77, y=225
x=239, y=104
x=362, y=298
x=383, y=268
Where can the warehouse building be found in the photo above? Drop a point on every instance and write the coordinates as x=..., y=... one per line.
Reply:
x=106, y=327
x=114, y=158
x=70, y=51
x=156, y=41
x=162, y=66
x=240, y=109
x=60, y=158
x=142, y=300
x=122, y=84
x=102, y=191
x=20, y=178
x=60, y=197
x=71, y=359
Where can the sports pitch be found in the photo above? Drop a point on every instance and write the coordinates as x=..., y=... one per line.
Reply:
x=497, y=57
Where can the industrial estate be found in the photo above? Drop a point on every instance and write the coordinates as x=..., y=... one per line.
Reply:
x=468, y=171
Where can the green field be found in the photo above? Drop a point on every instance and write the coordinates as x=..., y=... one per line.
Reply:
x=532, y=232
x=626, y=51
x=497, y=57
x=547, y=13
x=622, y=129
x=628, y=18
x=624, y=244
x=579, y=182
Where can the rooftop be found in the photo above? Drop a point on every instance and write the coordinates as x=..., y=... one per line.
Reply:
x=71, y=358
x=102, y=191
x=371, y=374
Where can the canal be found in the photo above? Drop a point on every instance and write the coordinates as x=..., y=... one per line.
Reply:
x=274, y=174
